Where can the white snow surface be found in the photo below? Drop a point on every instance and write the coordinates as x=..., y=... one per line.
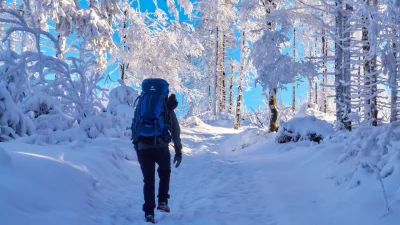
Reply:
x=303, y=126
x=227, y=177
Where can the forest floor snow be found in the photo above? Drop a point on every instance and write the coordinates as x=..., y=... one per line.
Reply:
x=227, y=177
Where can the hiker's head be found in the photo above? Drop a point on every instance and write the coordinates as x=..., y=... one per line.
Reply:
x=172, y=103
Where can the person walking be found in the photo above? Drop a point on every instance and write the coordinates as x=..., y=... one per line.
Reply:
x=154, y=126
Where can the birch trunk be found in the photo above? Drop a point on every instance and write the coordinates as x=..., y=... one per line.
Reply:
x=123, y=65
x=393, y=86
x=316, y=79
x=324, y=69
x=238, y=116
x=216, y=90
x=240, y=91
x=316, y=92
x=294, y=77
x=231, y=90
x=222, y=103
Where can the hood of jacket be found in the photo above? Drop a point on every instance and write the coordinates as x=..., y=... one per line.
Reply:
x=172, y=103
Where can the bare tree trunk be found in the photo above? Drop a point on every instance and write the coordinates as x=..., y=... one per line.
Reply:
x=123, y=65
x=61, y=43
x=310, y=87
x=325, y=69
x=316, y=92
x=222, y=104
x=316, y=79
x=338, y=64
x=231, y=90
x=294, y=76
x=310, y=81
x=273, y=123
x=216, y=89
x=240, y=91
x=393, y=86
x=238, y=105
x=359, y=82
x=347, y=67
x=209, y=98
x=374, y=82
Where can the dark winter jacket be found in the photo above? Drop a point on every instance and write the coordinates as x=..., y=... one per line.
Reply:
x=172, y=103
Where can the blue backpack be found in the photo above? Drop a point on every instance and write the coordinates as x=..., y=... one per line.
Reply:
x=151, y=121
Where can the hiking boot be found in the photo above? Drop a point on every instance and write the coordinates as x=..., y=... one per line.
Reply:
x=163, y=207
x=150, y=218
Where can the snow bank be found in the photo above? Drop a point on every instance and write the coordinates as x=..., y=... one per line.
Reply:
x=244, y=139
x=303, y=128
x=39, y=189
x=5, y=158
x=13, y=123
x=193, y=121
x=311, y=109
x=375, y=152
x=64, y=184
x=121, y=107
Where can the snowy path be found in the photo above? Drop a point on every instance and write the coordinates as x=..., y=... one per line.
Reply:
x=265, y=184
x=260, y=182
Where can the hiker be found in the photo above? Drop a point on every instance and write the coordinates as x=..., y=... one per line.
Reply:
x=154, y=126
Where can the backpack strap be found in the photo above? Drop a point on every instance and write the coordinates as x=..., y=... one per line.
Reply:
x=136, y=129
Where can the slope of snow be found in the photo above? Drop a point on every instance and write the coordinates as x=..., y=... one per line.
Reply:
x=310, y=109
x=226, y=177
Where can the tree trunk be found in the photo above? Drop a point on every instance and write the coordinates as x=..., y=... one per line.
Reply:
x=61, y=43
x=393, y=86
x=347, y=67
x=240, y=91
x=324, y=69
x=316, y=92
x=273, y=123
x=122, y=65
x=316, y=79
x=310, y=87
x=222, y=103
x=374, y=80
x=238, y=105
x=359, y=82
x=216, y=89
x=370, y=74
x=338, y=65
x=294, y=76
x=209, y=98
x=231, y=90
x=310, y=81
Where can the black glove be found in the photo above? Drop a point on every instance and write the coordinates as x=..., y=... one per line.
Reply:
x=177, y=160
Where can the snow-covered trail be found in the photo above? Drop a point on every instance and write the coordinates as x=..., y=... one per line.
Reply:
x=226, y=178
x=265, y=183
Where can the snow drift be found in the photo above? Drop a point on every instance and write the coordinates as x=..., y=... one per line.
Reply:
x=303, y=128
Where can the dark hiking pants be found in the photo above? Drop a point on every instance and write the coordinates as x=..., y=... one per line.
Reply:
x=148, y=159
